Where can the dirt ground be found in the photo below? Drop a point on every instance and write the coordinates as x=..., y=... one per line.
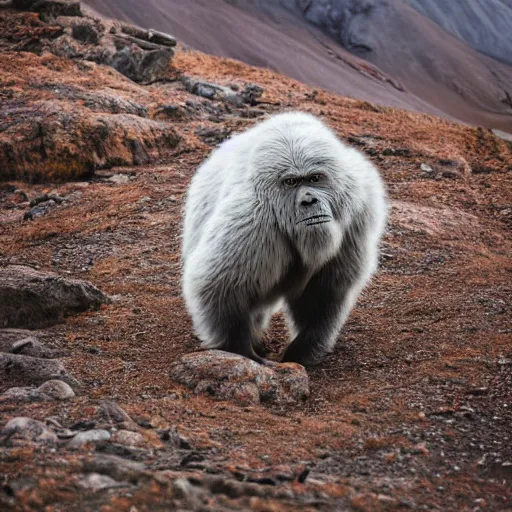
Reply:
x=412, y=410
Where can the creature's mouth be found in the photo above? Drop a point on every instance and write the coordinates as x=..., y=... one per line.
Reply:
x=315, y=219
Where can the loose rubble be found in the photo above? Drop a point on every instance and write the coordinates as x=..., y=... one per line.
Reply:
x=89, y=436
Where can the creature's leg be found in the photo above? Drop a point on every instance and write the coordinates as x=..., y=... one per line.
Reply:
x=225, y=325
x=318, y=315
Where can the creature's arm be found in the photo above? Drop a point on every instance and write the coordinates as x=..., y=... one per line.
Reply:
x=228, y=279
x=320, y=312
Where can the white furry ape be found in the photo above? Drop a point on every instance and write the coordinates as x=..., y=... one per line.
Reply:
x=283, y=213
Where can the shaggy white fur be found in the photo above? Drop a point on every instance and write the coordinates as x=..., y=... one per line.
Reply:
x=282, y=214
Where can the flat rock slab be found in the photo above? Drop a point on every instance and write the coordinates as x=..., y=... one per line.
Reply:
x=34, y=299
x=227, y=376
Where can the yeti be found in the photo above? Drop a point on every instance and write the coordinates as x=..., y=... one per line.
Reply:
x=281, y=216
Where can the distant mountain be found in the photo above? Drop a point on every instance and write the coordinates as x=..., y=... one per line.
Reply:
x=486, y=25
x=424, y=55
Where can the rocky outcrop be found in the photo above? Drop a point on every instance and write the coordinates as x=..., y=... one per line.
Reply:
x=141, y=55
x=32, y=299
x=227, y=376
x=57, y=130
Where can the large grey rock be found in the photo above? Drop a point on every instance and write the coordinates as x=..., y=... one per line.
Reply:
x=17, y=369
x=227, y=376
x=31, y=298
x=21, y=430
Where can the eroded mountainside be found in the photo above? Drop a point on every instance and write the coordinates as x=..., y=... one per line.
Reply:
x=411, y=411
x=426, y=56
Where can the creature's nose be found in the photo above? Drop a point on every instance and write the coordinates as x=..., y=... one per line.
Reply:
x=308, y=200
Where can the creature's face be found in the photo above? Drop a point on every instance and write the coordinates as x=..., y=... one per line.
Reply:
x=300, y=178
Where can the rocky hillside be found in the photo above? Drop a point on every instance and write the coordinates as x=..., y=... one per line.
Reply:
x=104, y=404
x=423, y=55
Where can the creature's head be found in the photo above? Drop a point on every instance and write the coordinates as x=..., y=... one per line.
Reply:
x=300, y=172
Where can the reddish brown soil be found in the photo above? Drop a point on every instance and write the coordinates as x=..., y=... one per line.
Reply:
x=413, y=408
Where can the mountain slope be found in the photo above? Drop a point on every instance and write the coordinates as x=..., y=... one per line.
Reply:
x=485, y=26
x=324, y=42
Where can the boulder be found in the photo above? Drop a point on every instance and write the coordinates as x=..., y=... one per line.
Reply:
x=19, y=369
x=32, y=299
x=227, y=376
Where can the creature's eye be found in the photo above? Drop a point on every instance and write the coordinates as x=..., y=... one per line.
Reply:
x=315, y=178
x=291, y=182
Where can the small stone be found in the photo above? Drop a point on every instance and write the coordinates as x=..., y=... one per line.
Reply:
x=449, y=174
x=119, y=179
x=113, y=414
x=21, y=430
x=56, y=198
x=251, y=94
x=426, y=168
x=172, y=436
x=128, y=438
x=89, y=436
x=31, y=346
x=56, y=389
x=115, y=467
x=95, y=482
x=21, y=195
